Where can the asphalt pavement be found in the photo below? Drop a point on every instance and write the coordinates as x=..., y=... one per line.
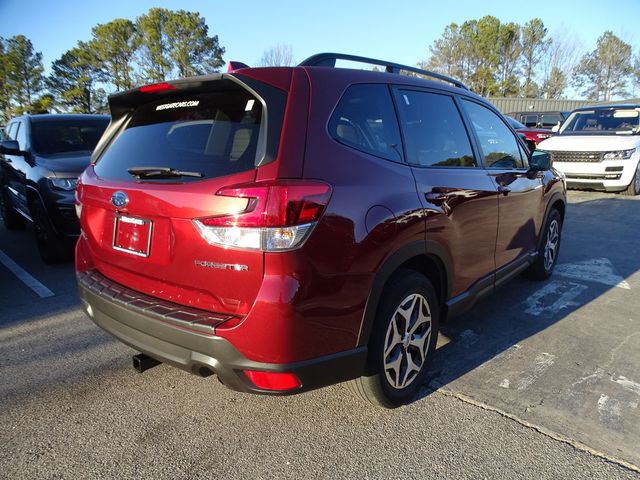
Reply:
x=538, y=381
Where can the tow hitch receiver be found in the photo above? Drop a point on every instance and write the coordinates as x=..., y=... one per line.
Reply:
x=142, y=362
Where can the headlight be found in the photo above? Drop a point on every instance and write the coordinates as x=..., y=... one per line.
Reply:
x=619, y=154
x=68, y=184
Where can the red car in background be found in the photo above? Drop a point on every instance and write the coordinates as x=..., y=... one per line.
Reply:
x=533, y=136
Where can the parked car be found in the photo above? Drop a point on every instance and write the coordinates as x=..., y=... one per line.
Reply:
x=40, y=160
x=599, y=148
x=532, y=136
x=546, y=120
x=237, y=225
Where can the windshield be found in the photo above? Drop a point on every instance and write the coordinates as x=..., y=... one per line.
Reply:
x=212, y=134
x=67, y=135
x=605, y=121
x=515, y=123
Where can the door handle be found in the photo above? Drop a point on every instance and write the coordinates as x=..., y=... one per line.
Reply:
x=436, y=198
x=504, y=190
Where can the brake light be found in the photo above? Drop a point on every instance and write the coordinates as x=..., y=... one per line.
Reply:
x=273, y=380
x=233, y=66
x=157, y=87
x=278, y=215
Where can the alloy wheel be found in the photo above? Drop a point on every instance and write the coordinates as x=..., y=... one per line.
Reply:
x=551, y=247
x=407, y=341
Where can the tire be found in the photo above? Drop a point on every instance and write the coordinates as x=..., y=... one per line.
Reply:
x=548, y=250
x=11, y=219
x=50, y=246
x=634, y=187
x=390, y=383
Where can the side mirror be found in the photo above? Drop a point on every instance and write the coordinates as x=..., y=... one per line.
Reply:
x=556, y=128
x=540, y=161
x=10, y=147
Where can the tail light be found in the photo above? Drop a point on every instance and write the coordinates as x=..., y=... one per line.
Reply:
x=156, y=87
x=278, y=216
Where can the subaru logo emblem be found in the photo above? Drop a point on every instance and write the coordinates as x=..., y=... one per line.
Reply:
x=119, y=199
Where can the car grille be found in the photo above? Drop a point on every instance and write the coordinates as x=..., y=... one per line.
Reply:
x=592, y=157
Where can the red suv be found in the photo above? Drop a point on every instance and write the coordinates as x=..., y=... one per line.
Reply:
x=291, y=228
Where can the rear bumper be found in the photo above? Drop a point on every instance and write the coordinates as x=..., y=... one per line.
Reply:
x=185, y=338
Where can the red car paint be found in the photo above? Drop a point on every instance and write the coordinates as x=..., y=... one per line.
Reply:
x=313, y=301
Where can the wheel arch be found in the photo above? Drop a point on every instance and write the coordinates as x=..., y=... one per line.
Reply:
x=428, y=258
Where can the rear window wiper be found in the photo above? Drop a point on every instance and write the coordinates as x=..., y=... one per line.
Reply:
x=161, y=172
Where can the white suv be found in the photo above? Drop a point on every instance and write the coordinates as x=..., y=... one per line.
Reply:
x=599, y=148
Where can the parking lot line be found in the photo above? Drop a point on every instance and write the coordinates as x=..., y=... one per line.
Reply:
x=27, y=279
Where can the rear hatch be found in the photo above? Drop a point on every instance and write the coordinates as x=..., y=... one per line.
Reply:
x=169, y=150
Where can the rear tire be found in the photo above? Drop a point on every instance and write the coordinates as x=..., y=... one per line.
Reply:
x=11, y=219
x=634, y=187
x=402, y=342
x=50, y=246
x=549, y=248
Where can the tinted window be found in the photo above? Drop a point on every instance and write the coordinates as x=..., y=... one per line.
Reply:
x=21, y=135
x=365, y=120
x=214, y=134
x=434, y=134
x=551, y=119
x=62, y=135
x=531, y=120
x=499, y=147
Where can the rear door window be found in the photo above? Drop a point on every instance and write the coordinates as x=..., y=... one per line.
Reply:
x=434, y=133
x=214, y=134
x=551, y=120
x=365, y=120
x=530, y=121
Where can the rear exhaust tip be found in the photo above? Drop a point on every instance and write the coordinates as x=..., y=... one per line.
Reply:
x=205, y=372
x=142, y=362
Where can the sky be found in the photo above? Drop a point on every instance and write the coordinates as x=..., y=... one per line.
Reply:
x=399, y=31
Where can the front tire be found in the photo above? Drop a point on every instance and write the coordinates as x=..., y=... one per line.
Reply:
x=402, y=342
x=50, y=246
x=11, y=219
x=634, y=187
x=548, y=250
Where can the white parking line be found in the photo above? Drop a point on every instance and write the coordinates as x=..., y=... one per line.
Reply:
x=27, y=279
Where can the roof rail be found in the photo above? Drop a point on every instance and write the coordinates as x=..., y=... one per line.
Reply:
x=329, y=60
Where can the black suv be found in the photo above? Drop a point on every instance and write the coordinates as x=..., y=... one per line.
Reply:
x=548, y=119
x=40, y=159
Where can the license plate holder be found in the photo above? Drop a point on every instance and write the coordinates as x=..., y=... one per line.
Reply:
x=132, y=235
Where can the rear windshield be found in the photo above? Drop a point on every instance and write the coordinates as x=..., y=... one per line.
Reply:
x=609, y=121
x=67, y=135
x=212, y=134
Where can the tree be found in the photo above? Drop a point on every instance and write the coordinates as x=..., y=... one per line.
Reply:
x=636, y=71
x=278, y=56
x=470, y=53
x=154, y=47
x=561, y=58
x=534, y=45
x=114, y=45
x=74, y=78
x=5, y=96
x=604, y=72
x=555, y=84
x=509, y=49
x=193, y=51
x=24, y=70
